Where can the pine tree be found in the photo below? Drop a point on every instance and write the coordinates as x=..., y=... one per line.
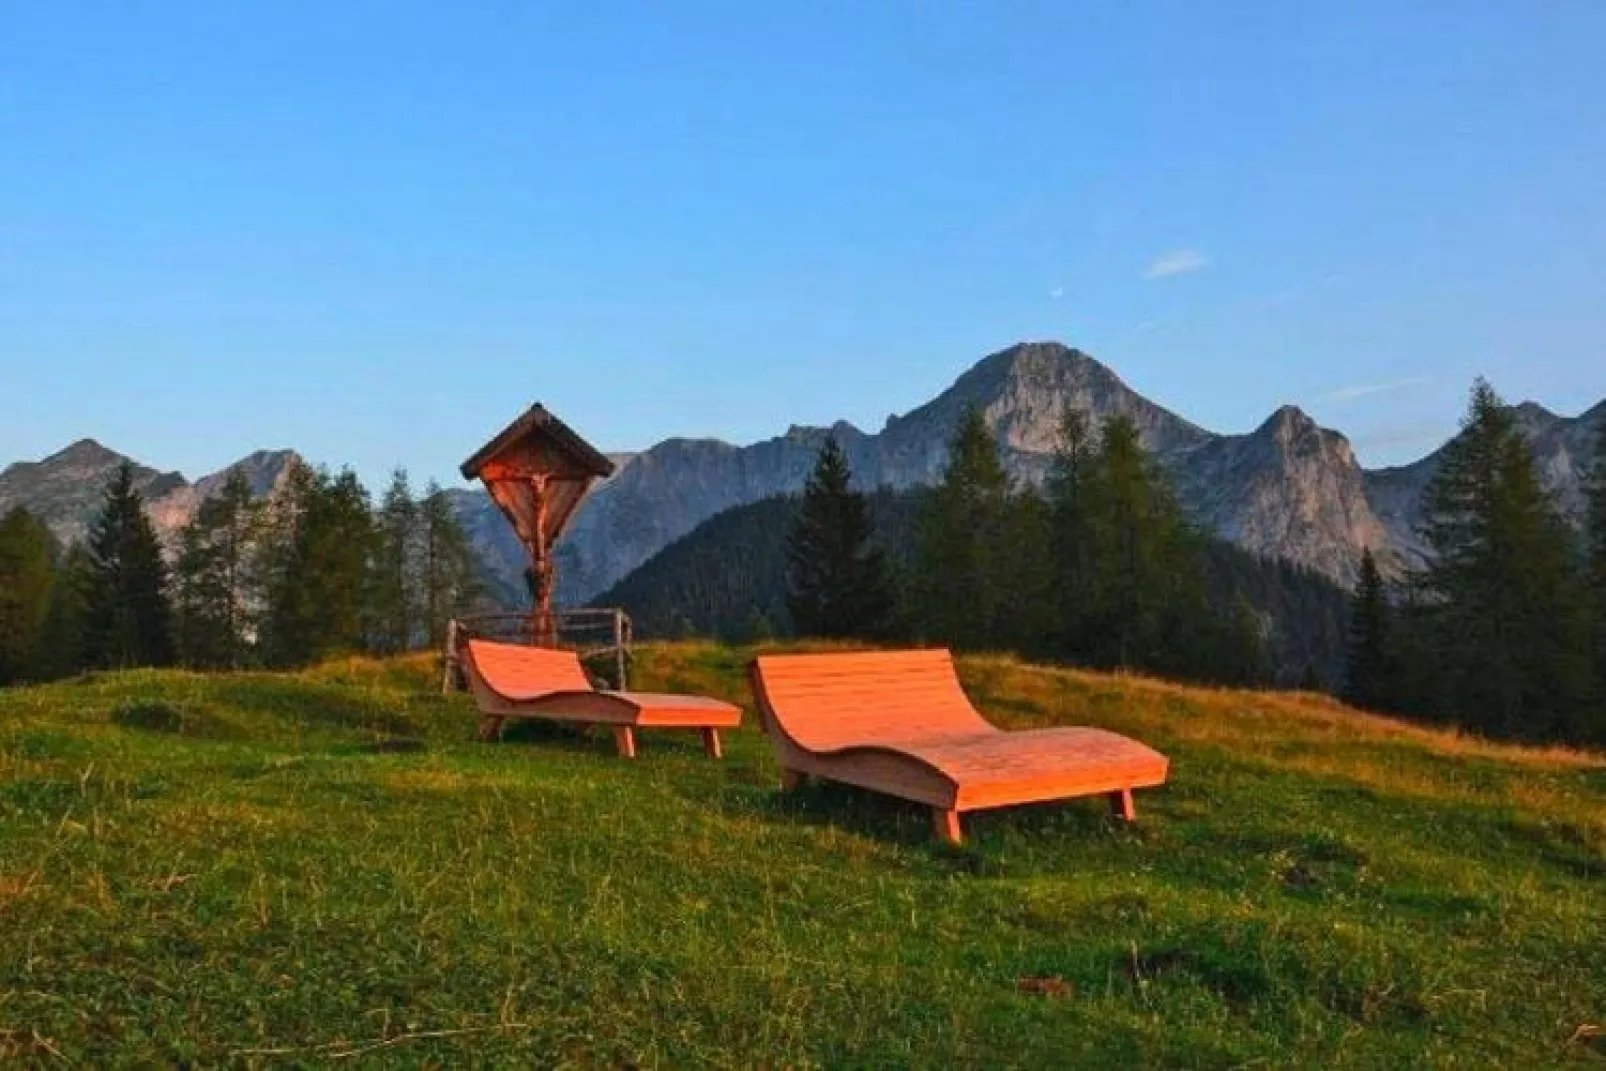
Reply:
x=1146, y=605
x=1501, y=614
x=1243, y=661
x=128, y=621
x=448, y=572
x=318, y=566
x=1595, y=566
x=394, y=596
x=61, y=648
x=1071, y=536
x=961, y=597
x=837, y=581
x=1368, y=666
x=284, y=636
x=337, y=556
x=215, y=592
x=27, y=575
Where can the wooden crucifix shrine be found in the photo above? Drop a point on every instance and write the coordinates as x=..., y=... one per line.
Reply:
x=537, y=470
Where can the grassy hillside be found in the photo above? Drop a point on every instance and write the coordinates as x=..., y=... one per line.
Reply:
x=264, y=869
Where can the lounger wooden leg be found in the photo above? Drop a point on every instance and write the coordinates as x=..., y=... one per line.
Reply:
x=490, y=728
x=1121, y=805
x=624, y=736
x=792, y=780
x=946, y=824
x=711, y=743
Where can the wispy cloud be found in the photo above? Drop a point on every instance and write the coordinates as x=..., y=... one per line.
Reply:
x=1176, y=262
x=1356, y=391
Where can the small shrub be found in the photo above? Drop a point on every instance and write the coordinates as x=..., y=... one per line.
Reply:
x=150, y=715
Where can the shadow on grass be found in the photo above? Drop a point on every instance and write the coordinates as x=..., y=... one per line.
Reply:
x=587, y=739
x=825, y=805
x=316, y=705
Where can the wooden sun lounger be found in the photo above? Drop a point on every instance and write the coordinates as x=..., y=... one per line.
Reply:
x=513, y=681
x=898, y=722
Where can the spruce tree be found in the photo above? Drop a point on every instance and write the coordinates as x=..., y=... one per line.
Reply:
x=394, y=598
x=837, y=580
x=128, y=621
x=448, y=572
x=27, y=575
x=1368, y=664
x=1502, y=617
x=1071, y=536
x=61, y=647
x=285, y=637
x=215, y=591
x=1146, y=606
x=318, y=566
x=1595, y=566
x=961, y=595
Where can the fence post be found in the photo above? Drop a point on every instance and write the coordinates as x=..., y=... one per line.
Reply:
x=450, y=659
x=619, y=647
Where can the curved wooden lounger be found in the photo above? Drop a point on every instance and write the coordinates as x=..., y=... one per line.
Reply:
x=513, y=681
x=898, y=722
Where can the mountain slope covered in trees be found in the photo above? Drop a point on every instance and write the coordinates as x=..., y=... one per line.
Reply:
x=727, y=579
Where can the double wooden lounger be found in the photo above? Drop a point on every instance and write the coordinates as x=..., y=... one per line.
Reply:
x=898, y=722
x=512, y=681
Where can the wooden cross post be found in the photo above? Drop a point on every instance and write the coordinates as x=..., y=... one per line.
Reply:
x=543, y=626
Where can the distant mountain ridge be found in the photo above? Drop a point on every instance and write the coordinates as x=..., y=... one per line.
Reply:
x=1288, y=489
x=66, y=489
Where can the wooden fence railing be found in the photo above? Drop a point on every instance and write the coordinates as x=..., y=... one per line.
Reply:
x=591, y=632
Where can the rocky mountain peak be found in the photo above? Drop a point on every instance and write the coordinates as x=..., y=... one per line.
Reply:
x=1288, y=426
x=85, y=452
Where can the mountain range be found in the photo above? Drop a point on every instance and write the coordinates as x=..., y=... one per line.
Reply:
x=1288, y=489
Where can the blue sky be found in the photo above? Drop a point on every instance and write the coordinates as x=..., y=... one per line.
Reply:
x=376, y=231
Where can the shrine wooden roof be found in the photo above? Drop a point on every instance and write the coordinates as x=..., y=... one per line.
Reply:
x=571, y=456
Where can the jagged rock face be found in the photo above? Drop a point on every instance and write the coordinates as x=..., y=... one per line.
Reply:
x=67, y=489
x=1289, y=488
x=1022, y=393
x=1563, y=448
x=265, y=472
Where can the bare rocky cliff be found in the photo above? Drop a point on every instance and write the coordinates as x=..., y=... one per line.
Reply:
x=66, y=489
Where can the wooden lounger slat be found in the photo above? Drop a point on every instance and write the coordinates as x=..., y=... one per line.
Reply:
x=512, y=681
x=899, y=722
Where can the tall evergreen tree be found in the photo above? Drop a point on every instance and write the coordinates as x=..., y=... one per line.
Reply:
x=128, y=621
x=27, y=575
x=1071, y=535
x=215, y=593
x=394, y=598
x=61, y=647
x=1595, y=566
x=1146, y=605
x=837, y=580
x=318, y=568
x=1368, y=666
x=284, y=636
x=1500, y=610
x=448, y=574
x=961, y=595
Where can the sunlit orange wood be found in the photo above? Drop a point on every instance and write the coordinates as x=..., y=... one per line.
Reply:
x=537, y=471
x=513, y=681
x=898, y=722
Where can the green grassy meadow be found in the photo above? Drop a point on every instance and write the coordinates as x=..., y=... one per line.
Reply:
x=326, y=867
